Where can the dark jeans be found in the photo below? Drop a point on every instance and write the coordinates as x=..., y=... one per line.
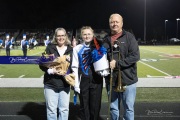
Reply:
x=25, y=52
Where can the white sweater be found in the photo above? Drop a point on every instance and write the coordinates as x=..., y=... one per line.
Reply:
x=75, y=65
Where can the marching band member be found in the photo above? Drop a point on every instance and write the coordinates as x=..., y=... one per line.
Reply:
x=1, y=44
x=87, y=82
x=24, y=45
x=8, y=45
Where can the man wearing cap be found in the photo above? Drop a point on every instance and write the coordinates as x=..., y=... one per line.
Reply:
x=8, y=45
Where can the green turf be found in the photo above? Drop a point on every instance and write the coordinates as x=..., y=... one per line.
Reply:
x=144, y=70
x=158, y=95
x=157, y=61
x=14, y=71
x=162, y=61
x=21, y=95
x=37, y=95
x=154, y=61
x=18, y=51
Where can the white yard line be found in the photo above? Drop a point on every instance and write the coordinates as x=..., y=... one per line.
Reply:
x=149, y=76
x=155, y=68
x=21, y=76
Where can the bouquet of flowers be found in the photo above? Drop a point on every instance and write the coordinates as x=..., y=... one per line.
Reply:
x=46, y=60
x=60, y=64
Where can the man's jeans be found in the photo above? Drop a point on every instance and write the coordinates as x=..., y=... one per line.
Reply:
x=57, y=98
x=128, y=100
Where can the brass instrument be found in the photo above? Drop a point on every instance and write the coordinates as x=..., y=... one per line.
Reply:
x=110, y=87
x=119, y=87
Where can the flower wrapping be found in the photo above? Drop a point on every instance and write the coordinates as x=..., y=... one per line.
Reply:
x=46, y=60
x=60, y=64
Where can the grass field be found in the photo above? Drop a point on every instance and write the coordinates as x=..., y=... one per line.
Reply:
x=156, y=61
x=159, y=61
x=37, y=95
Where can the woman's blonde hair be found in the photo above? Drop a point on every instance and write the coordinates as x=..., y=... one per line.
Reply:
x=86, y=27
x=67, y=41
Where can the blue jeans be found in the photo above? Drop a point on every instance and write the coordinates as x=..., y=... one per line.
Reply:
x=128, y=100
x=57, y=98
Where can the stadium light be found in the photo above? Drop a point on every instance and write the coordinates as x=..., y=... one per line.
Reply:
x=145, y=21
x=177, y=28
x=165, y=29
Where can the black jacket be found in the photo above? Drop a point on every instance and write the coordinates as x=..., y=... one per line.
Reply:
x=56, y=81
x=129, y=55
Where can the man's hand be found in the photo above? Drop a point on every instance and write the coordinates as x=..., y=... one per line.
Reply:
x=112, y=64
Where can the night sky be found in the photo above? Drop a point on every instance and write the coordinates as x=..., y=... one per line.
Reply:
x=73, y=14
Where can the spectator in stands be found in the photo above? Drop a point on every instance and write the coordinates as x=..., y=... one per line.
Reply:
x=125, y=50
x=56, y=89
x=8, y=45
x=87, y=82
x=24, y=45
x=47, y=41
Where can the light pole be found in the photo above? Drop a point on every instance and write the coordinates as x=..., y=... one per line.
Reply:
x=145, y=21
x=177, y=28
x=165, y=29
